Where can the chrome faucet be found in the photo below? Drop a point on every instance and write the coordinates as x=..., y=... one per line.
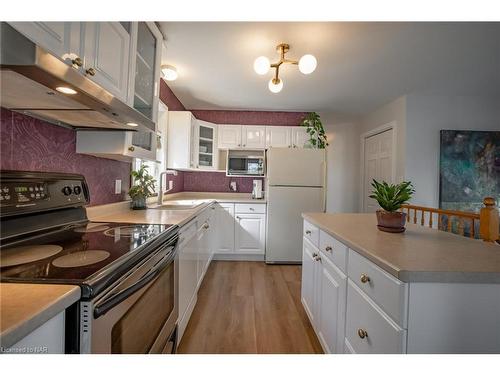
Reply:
x=161, y=192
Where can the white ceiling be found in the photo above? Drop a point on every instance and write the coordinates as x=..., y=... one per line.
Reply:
x=360, y=65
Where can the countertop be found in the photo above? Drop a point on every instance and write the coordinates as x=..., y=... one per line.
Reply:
x=25, y=307
x=420, y=254
x=121, y=212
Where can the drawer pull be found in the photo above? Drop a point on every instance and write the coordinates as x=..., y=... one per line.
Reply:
x=317, y=259
x=252, y=209
x=308, y=232
x=328, y=248
x=314, y=255
x=362, y=333
x=365, y=279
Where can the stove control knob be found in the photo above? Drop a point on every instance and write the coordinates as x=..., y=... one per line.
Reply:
x=77, y=190
x=66, y=190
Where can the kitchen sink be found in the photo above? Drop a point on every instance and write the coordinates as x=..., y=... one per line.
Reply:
x=180, y=205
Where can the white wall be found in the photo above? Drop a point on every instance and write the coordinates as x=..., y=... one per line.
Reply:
x=426, y=115
x=342, y=164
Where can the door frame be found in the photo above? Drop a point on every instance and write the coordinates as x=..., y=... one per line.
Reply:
x=379, y=129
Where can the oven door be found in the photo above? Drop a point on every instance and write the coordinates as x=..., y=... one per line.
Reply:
x=139, y=314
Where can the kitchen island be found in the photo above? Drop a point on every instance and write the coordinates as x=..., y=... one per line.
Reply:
x=421, y=291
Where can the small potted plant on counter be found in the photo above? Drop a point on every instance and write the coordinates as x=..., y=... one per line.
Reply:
x=143, y=187
x=391, y=198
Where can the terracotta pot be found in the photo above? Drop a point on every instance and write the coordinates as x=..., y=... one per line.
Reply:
x=393, y=222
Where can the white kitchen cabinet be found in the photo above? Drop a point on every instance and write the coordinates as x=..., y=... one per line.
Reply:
x=47, y=339
x=253, y=137
x=206, y=146
x=62, y=39
x=229, y=136
x=107, y=53
x=331, y=305
x=250, y=233
x=181, y=138
x=309, y=291
x=278, y=136
x=225, y=228
x=299, y=136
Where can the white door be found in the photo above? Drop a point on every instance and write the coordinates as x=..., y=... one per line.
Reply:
x=250, y=233
x=253, y=137
x=278, y=136
x=107, y=48
x=229, y=136
x=59, y=38
x=296, y=167
x=225, y=228
x=284, y=220
x=332, y=296
x=309, y=266
x=299, y=136
x=377, y=165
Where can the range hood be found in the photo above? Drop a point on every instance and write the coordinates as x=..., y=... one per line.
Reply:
x=29, y=76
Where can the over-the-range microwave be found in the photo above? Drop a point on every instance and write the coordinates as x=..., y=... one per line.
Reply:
x=245, y=163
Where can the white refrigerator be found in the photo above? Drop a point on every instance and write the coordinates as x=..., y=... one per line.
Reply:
x=295, y=184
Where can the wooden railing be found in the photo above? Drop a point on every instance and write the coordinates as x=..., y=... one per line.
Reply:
x=488, y=220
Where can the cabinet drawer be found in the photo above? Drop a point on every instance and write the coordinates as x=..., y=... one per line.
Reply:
x=335, y=250
x=387, y=291
x=250, y=208
x=365, y=317
x=311, y=232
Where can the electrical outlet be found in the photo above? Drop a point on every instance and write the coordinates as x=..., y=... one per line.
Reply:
x=232, y=186
x=170, y=185
x=118, y=186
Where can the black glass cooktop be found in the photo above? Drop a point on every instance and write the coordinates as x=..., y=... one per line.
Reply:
x=76, y=253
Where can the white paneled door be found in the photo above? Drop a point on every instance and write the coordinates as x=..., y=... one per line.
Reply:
x=378, y=154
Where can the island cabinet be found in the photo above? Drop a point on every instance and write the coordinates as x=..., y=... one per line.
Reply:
x=356, y=306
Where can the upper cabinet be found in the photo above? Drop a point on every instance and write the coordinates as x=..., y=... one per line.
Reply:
x=107, y=51
x=229, y=136
x=206, y=147
x=145, y=67
x=62, y=39
x=253, y=136
x=299, y=136
x=278, y=136
x=181, y=139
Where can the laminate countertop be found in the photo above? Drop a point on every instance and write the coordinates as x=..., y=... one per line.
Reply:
x=25, y=307
x=420, y=254
x=121, y=212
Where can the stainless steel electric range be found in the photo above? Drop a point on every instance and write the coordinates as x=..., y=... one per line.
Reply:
x=127, y=272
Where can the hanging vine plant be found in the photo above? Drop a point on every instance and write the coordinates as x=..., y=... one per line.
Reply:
x=315, y=130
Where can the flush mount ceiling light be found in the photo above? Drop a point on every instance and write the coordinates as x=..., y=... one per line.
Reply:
x=66, y=90
x=133, y=124
x=307, y=64
x=169, y=72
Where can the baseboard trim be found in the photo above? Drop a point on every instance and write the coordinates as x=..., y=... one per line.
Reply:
x=239, y=257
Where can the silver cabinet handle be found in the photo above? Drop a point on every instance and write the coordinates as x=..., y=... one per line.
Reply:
x=314, y=255
x=328, y=248
x=90, y=71
x=252, y=209
x=308, y=232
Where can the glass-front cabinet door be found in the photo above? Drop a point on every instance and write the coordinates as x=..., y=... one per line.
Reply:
x=145, y=81
x=207, y=147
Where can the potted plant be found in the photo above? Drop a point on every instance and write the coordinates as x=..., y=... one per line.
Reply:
x=390, y=197
x=315, y=130
x=143, y=187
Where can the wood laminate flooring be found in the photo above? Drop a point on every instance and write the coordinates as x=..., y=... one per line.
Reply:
x=249, y=307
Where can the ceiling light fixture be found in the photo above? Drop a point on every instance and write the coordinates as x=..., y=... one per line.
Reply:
x=66, y=90
x=169, y=72
x=133, y=124
x=307, y=64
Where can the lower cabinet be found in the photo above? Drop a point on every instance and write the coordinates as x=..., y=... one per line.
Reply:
x=241, y=231
x=324, y=297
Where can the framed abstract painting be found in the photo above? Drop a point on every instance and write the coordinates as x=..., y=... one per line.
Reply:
x=469, y=168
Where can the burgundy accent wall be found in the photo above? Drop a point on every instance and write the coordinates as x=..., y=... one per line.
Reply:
x=178, y=182
x=268, y=118
x=216, y=182
x=35, y=145
x=168, y=97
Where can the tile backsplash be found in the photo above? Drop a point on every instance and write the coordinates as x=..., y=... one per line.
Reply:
x=216, y=182
x=34, y=145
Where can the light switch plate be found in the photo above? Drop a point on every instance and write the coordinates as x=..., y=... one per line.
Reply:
x=170, y=185
x=118, y=186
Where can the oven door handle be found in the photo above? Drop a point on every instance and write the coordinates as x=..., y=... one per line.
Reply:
x=106, y=305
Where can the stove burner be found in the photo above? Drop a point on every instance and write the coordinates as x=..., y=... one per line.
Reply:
x=81, y=258
x=90, y=228
x=27, y=254
x=125, y=231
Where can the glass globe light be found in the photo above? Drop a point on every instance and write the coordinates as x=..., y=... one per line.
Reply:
x=275, y=85
x=261, y=65
x=307, y=64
